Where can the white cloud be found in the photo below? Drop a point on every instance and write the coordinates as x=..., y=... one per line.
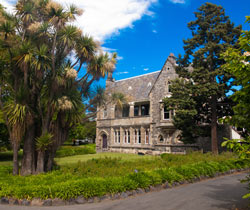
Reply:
x=107, y=49
x=119, y=58
x=146, y=69
x=9, y=5
x=124, y=72
x=178, y=1
x=154, y=31
x=104, y=18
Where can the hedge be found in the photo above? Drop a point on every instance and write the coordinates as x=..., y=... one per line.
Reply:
x=66, y=186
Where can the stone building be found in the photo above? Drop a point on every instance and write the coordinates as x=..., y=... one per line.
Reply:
x=144, y=125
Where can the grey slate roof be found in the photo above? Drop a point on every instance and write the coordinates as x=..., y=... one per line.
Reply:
x=137, y=88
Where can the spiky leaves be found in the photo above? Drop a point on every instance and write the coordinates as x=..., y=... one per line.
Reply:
x=37, y=47
x=44, y=141
x=119, y=99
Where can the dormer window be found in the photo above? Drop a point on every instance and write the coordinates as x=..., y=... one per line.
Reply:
x=136, y=110
x=125, y=111
x=142, y=109
x=145, y=109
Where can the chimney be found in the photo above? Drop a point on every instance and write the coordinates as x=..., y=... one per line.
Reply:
x=172, y=59
x=109, y=80
x=110, y=76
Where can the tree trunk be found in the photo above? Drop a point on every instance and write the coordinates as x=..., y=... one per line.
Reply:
x=50, y=160
x=28, y=161
x=60, y=132
x=40, y=162
x=15, y=147
x=214, y=125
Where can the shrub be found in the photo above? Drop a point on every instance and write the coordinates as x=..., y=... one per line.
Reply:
x=97, y=177
x=65, y=151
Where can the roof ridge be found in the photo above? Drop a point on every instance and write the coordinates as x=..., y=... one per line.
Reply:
x=137, y=76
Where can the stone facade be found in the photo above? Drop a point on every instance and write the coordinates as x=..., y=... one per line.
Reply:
x=143, y=126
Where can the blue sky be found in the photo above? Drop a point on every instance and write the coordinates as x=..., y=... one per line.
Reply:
x=146, y=46
x=144, y=32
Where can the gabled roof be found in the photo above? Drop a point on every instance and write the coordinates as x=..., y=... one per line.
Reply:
x=172, y=60
x=137, y=88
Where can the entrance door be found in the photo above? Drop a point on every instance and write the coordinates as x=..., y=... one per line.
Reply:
x=104, y=141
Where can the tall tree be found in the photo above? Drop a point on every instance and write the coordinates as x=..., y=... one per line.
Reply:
x=203, y=82
x=238, y=65
x=41, y=88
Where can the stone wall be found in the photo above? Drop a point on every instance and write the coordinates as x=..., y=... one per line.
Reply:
x=153, y=88
x=158, y=93
x=223, y=131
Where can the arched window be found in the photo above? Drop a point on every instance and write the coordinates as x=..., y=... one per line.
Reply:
x=119, y=137
x=161, y=139
x=139, y=136
x=128, y=137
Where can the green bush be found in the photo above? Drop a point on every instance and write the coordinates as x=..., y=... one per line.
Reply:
x=65, y=151
x=169, y=175
x=98, y=177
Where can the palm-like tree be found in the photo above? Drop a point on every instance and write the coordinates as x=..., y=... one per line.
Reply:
x=16, y=115
x=35, y=48
x=119, y=99
x=85, y=50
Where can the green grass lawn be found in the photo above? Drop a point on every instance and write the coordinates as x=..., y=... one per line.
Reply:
x=64, y=151
x=82, y=158
x=98, y=174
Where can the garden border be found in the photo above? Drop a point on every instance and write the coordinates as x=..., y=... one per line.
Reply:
x=116, y=196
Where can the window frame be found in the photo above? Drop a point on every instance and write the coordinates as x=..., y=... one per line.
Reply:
x=136, y=107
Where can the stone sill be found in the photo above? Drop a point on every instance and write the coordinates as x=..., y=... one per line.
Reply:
x=134, y=146
x=120, y=118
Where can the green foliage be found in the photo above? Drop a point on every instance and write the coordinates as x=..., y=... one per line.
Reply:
x=237, y=63
x=86, y=130
x=239, y=146
x=4, y=137
x=41, y=89
x=71, y=182
x=119, y=99
x=44, y=141
x=8, y=155
x=66, y=151
x=199, y=95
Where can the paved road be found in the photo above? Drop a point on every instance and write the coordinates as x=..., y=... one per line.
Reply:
x=220, y=193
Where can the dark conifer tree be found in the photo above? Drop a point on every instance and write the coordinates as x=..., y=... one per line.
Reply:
x=199, y=96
